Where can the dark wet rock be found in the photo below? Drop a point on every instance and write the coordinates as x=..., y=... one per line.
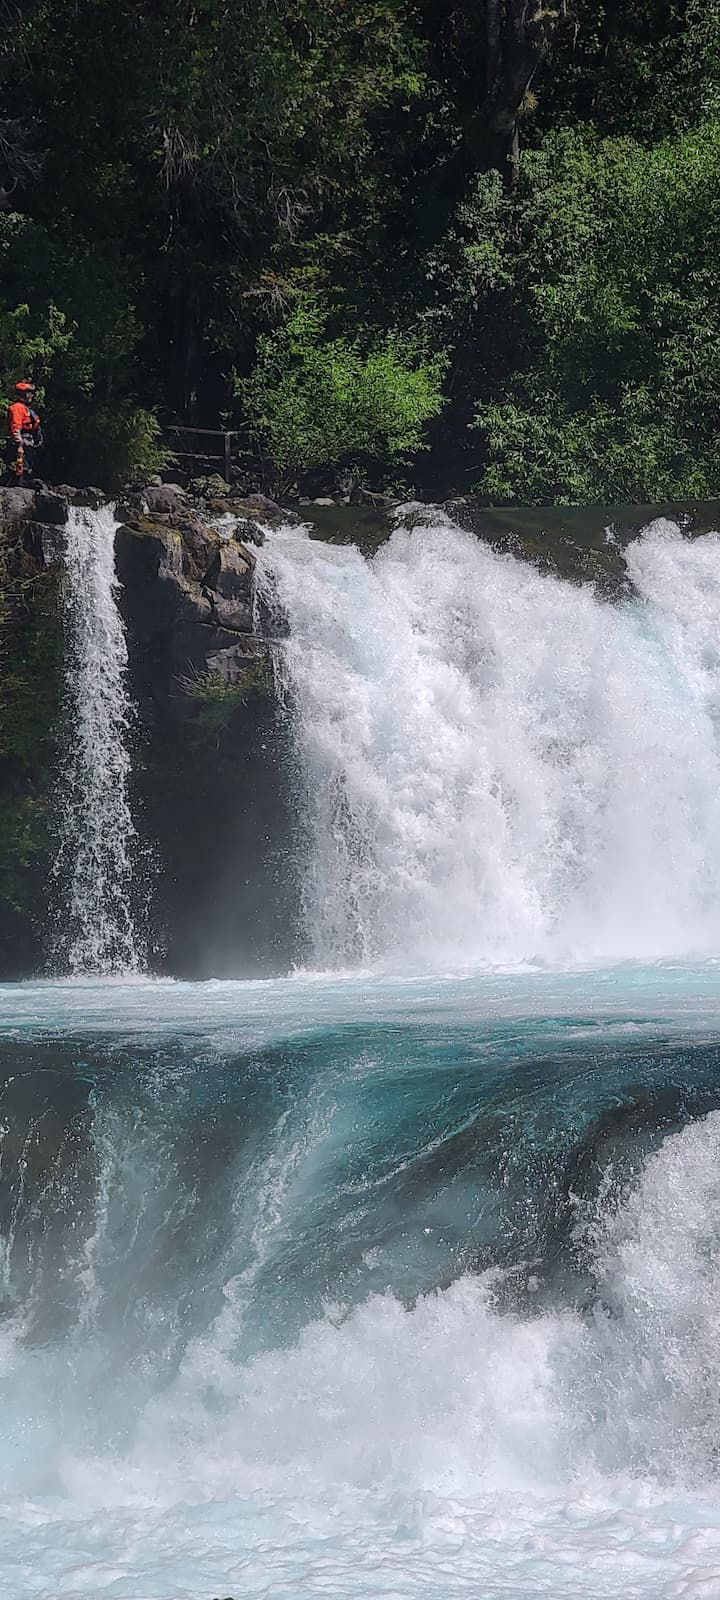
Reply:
x=44, y=542
x=16, y=505
x=365, y=497
x=230, y=570
x=130, y=506
x=51, y=506
x=232, y=663
x=90, y=497
x=249, y=532
x=214, y=497
x=211, y=486
x=208, y=741
x=228, y=584
x=28, y=547
x=188, y=606
x=161, y=581
x=259, y=508
x=168, y=497
x=210, y=775
x=235, y=615
x=31, y=657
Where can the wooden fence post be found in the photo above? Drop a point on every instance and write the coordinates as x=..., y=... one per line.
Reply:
x=228, y=452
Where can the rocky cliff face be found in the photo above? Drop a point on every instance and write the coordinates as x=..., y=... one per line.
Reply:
x=212, y=797
x=31, y=539
x=212, y=776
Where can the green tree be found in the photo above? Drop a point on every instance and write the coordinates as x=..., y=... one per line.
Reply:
x=315, y=401
x=616, y=256
x=189, y=176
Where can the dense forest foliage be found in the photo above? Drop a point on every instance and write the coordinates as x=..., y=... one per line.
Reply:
x=436, y=244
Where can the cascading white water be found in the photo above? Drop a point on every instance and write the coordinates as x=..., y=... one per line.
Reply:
x=500, y=766
x=97, y=834
x=204, y=1394
x=390, y=1284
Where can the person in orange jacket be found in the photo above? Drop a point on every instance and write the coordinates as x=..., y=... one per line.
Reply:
x=25, y=434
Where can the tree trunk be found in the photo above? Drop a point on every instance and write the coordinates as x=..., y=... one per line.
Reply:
x=518, y=33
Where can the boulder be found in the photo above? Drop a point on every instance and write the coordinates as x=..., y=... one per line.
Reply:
x=257, y=507
x=16, y=505
x=44, y=542
x=200, y=543
x=168, y=497
x=130, y=506
x=248, y=532
x=150, y=560
x=231, y=664
x=235, y=615
x=51, y=506
x=366, y=497
x=187, y=600
x=213, y=486
x=230, y=571
x=90, y=497
x=28, y=547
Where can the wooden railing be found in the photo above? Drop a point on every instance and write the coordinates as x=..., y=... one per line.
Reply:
x=223, y=454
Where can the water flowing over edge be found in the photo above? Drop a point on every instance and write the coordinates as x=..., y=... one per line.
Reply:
x=217, y=1377
x=497, y=765
x=94, y=865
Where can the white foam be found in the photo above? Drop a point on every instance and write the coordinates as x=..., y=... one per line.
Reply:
x=97, y=834
x=497, y=765
x=443, y=1450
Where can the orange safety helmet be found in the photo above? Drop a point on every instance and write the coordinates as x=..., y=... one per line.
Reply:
x=23, y=387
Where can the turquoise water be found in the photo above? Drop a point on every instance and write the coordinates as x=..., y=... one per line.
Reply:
x=400, y=1278
x=359, y=1286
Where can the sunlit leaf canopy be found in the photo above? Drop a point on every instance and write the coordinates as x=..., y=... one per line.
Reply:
x=495, y=224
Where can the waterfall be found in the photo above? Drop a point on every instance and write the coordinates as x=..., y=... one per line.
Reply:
x=399, y=1281
x=499, y=766
x=97, y=834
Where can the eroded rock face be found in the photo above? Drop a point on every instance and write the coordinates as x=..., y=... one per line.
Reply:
x=221, y=499
x=187, y=605
x=31, y=552
x=16, y=506
x=265, y=510
x=211, y=784
x=211, y=777
x=168, y=497
x=32, y=538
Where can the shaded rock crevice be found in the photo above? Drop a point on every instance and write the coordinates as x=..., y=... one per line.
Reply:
x=211, y=787
x=211, y=773
x=31, y=556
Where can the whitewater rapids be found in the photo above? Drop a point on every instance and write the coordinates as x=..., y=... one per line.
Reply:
x=360, y=1289
x=401, y=1276
x=495, y=765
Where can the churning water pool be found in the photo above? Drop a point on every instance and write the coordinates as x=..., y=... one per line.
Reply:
x=362, y=1287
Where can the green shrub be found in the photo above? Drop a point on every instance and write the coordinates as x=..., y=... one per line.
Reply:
x=618, y=391
x=315, y=402
x=120, y=444
x=213, y=702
